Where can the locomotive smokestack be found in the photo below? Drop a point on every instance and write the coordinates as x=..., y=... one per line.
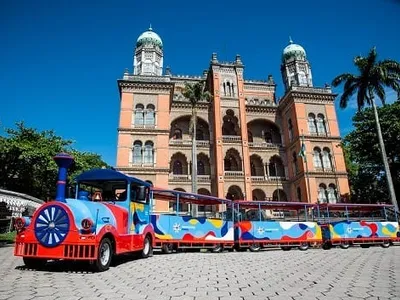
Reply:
x=63, y=161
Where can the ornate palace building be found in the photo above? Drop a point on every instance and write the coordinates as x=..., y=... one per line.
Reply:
x=248, y=143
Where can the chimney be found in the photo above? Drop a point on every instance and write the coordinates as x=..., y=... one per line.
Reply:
x=63, y=161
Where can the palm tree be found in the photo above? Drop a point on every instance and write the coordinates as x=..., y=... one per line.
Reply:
x=195, y=93
x=372, y=78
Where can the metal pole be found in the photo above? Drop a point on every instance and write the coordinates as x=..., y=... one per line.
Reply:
x=335, y=173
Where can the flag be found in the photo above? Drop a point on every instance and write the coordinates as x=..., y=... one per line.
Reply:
x=302, y=152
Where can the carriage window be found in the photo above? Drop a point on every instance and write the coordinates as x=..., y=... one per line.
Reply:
x=139, y=193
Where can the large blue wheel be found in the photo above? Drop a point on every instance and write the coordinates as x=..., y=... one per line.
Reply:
x=51, y=226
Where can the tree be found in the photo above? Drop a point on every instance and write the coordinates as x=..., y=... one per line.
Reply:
x=373, y=76
x=27, y=165
x=365, y=169
x=195, y=93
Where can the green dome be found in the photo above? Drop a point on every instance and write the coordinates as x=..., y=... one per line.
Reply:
x=293, y=51
x=149, y=37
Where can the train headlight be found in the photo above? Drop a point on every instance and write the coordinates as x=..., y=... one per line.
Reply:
x=87, y=224
x=19, y=224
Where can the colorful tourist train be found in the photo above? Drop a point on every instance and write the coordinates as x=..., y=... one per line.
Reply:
x=111, y=214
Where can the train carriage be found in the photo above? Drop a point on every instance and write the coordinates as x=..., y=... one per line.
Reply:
x=261, y=224
x=109, y=215
x=346, y=224
x=174, y=231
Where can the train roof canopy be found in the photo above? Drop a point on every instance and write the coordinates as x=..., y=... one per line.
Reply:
x=274, y=205
x=353, y=206
x=185, y=197
x=108, y=175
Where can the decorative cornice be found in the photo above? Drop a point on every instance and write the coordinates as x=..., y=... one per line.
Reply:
x=143, y=170
x=259, y=87
x=143, y=130
x=307, y=95
x=262, y=109
x=143, y=86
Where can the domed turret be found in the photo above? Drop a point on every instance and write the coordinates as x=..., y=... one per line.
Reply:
x=293, y=51
x=295, y=68
x=149, y=37
x=148, y=59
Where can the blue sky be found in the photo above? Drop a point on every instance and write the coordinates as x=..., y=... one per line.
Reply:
x=60, y=60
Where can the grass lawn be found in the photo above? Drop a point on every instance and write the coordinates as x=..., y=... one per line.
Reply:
x=8, y=237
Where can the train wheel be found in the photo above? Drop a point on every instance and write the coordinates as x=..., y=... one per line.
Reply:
x=345, y=245
x=167, y=248
x=147, y=248
x=217, y=249
x=34, y=263
x=385, y=244
x=104, y=256
x=303, y=246
x=255, y=248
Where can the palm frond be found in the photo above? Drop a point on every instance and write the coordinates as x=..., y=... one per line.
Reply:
x=362, y=96
x=349, y=89
x=391, y=66
x=379, y=91
x=342, y=78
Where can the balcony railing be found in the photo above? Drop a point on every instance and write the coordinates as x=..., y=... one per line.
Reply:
x=233, y=173
x=326, y=134
x=188, y=177
x=141, y=126
x=143, y=165
x=264, y=145
x=231, y=138
x=200, y=143
x=267, y=178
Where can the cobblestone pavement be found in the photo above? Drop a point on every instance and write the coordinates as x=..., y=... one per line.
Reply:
x=372, y=273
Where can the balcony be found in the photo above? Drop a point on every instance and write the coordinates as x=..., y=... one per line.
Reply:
x=231, y=139
x=264, y=179
x=188, y=143
x=264, y=145
x=143, y=165
x=233, y=174
x=188, y=178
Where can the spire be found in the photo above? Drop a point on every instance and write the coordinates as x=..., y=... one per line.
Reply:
x=290, y=40
x=150, y=29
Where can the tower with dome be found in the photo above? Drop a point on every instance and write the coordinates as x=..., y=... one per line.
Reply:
x=248, y=143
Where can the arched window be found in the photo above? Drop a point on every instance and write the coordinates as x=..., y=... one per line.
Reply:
x=200, y=168
x=268, y=136
x=177, y=134
x=253, y=169
x=150, y=115
x=321, y=124
x=228, y=84
x=137, y=152
x=148, y=155
x=295, y=168
x=290, y=127
x=250, y=136
x=326, y=159
x=276, y=167
x=199, y=135
x=177, y=168
x=312, y=123
x=322, y=193
x=332, y=193
x=298, y=194
x=139, y=117
x=317, y=158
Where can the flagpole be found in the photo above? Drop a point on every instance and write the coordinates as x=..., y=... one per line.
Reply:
x=305, y=161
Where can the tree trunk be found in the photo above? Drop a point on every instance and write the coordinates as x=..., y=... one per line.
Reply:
x=194, y=160
x=384, y=157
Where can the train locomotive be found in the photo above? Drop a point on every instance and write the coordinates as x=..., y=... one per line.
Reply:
x=111, y=214
x=88, y=229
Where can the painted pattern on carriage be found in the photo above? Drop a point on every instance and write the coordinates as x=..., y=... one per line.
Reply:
x=140, y=217
x=363, y=229
x=186, y=228
x=285, y=231
x=99, y=213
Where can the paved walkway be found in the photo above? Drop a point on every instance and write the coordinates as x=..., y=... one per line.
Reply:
x=372, y=273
